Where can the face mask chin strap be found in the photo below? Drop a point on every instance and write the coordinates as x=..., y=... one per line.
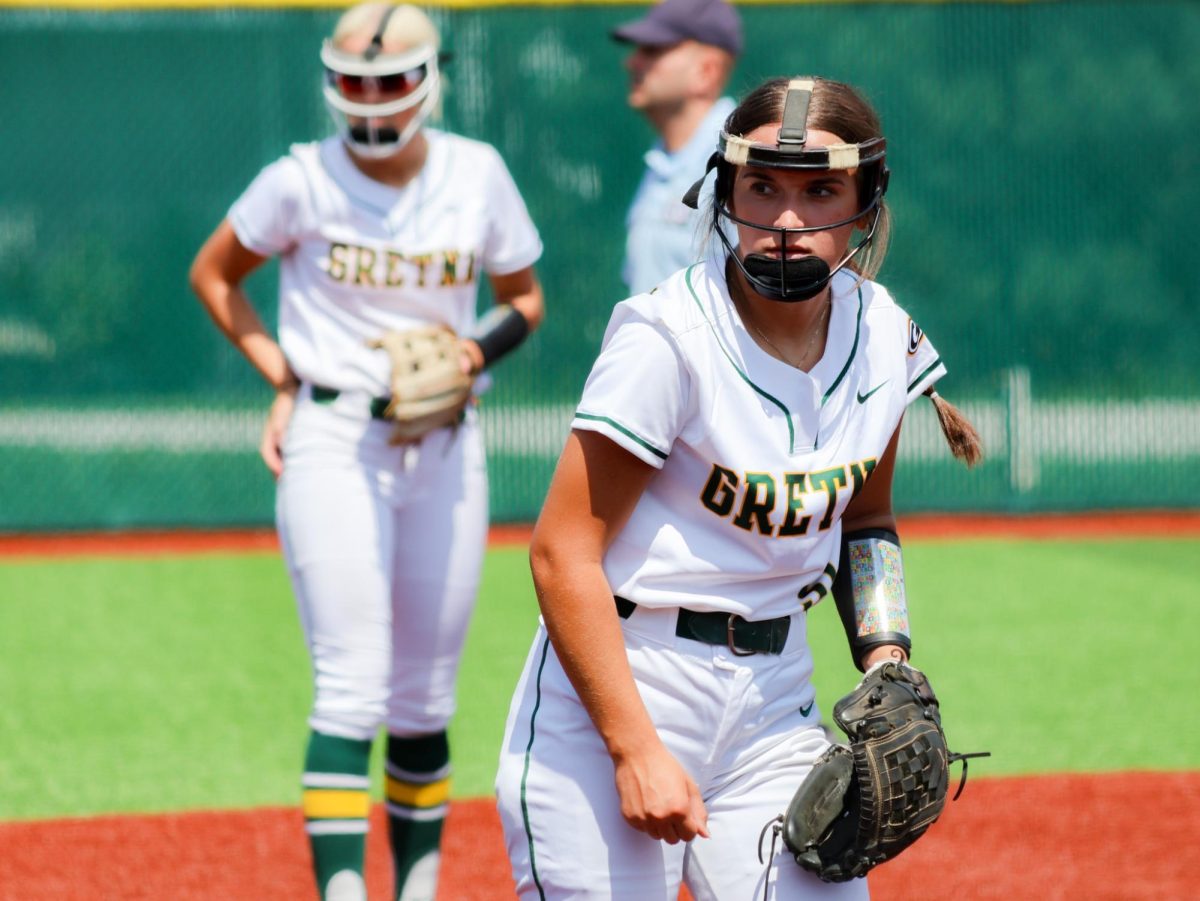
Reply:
x=798, y=278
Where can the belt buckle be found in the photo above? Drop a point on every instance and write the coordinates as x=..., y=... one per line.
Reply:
x=729, y=640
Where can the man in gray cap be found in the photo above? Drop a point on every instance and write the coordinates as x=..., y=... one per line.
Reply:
x=683, y=54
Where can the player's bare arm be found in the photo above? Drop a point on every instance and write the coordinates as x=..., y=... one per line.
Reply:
x=872, y=509
x=216, y=276
x=519, y=291
x=594, y=490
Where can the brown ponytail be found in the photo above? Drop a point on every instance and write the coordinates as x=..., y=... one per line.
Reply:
x=960, y=434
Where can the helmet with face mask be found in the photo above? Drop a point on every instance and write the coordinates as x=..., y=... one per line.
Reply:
x=795, y=278
x=409, y=76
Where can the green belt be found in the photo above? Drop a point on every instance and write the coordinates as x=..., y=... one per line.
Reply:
x=323, y=395
x=741, y=636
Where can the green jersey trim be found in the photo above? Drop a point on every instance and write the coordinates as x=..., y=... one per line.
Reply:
x=624, y=431
x=924, y=373
x=786, y=412
x=853, y=350
x=525, y=773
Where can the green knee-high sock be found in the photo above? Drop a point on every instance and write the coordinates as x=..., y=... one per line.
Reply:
x=336, y=804
x=418, y=795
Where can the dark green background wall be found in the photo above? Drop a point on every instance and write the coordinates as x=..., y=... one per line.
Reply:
x=1044, y=183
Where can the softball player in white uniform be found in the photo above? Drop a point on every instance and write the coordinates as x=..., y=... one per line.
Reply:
x=388, y=226
x=740, y=417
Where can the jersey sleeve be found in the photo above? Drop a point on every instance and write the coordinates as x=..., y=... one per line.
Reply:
x=267, y=217
x=637, y=392
x=923, y=362
x=513, y=242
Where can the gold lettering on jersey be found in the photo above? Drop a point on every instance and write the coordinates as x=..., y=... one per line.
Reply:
x=449, y=267
x=720, y=490
x=757, y=503
x=421, y=261
x=385, y=268
x=784, y=506
x=395, y=276
x=831, y=480
x=337, y=262
x=365, y=267
x=795, y=486
x=859, y=473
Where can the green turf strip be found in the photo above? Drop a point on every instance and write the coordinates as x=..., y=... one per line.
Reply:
x=173, y=683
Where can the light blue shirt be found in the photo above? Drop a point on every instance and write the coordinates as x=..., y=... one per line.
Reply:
x=663, y=235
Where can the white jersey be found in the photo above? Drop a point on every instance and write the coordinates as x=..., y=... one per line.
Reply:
x=758, y=459
x=359, y=258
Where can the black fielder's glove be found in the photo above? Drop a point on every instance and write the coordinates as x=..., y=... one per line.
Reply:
x=864, y=804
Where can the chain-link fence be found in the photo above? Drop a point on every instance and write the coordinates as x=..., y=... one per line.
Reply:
x=1044, y=184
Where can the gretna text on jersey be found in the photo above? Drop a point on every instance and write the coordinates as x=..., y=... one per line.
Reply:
x=383, y=268
x=762, y=492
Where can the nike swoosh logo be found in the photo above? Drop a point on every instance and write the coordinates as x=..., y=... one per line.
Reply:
x=805, y=711
x=862, y=398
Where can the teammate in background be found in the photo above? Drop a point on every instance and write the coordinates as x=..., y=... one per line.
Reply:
x=387, y=226
x=736, y=436
x=684, y=52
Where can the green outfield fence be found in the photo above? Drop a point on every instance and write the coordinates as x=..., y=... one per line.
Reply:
x=1045, y=187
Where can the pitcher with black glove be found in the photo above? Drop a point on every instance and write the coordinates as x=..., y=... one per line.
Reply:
x=864, y=803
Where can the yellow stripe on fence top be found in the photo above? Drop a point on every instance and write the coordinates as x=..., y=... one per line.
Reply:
x=440, y=4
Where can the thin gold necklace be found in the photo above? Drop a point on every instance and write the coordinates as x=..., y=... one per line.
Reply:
x=782, y=356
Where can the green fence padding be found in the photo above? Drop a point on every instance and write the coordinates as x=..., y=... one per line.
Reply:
x=1044, y=188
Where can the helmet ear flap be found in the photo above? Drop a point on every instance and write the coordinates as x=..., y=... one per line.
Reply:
x=724, y=186
x=874, y=184
x=692, y=197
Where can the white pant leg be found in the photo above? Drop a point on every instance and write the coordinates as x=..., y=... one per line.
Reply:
x=745, y=728
x=334, y=525
x=368, y=529
x=558, y=803
x=726, y=868
x=768, y=743
x=440, y=539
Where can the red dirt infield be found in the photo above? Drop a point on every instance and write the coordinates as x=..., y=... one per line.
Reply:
x=1111, y=837
x=1114, y=524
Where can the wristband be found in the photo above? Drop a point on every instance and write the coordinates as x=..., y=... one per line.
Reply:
x=500, y=331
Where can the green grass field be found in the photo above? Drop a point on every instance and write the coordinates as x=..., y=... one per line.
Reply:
x=171, y=683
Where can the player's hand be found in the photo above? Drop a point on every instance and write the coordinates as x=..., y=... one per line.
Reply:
x=470, y=357
x=271, y=447
x=659, y=798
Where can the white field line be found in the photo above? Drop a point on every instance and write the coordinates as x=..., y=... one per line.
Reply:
x=1132, y=431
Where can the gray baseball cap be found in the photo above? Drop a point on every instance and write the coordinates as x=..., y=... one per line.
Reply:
x=713, y=22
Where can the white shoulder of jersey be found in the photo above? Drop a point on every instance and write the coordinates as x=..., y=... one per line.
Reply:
x=923, y=363
x=270, y=212
x=310, y=151
x=681, y=302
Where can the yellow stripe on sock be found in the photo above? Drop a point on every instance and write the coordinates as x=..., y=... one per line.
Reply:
x=431, y=794
x=321, y=803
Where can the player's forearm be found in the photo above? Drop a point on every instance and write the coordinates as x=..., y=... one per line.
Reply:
x=216, y=276
x=523, y=292
x=530, y=305
x=233, y=314
x=581, y=619
x=883, y=653
x=502, y=329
